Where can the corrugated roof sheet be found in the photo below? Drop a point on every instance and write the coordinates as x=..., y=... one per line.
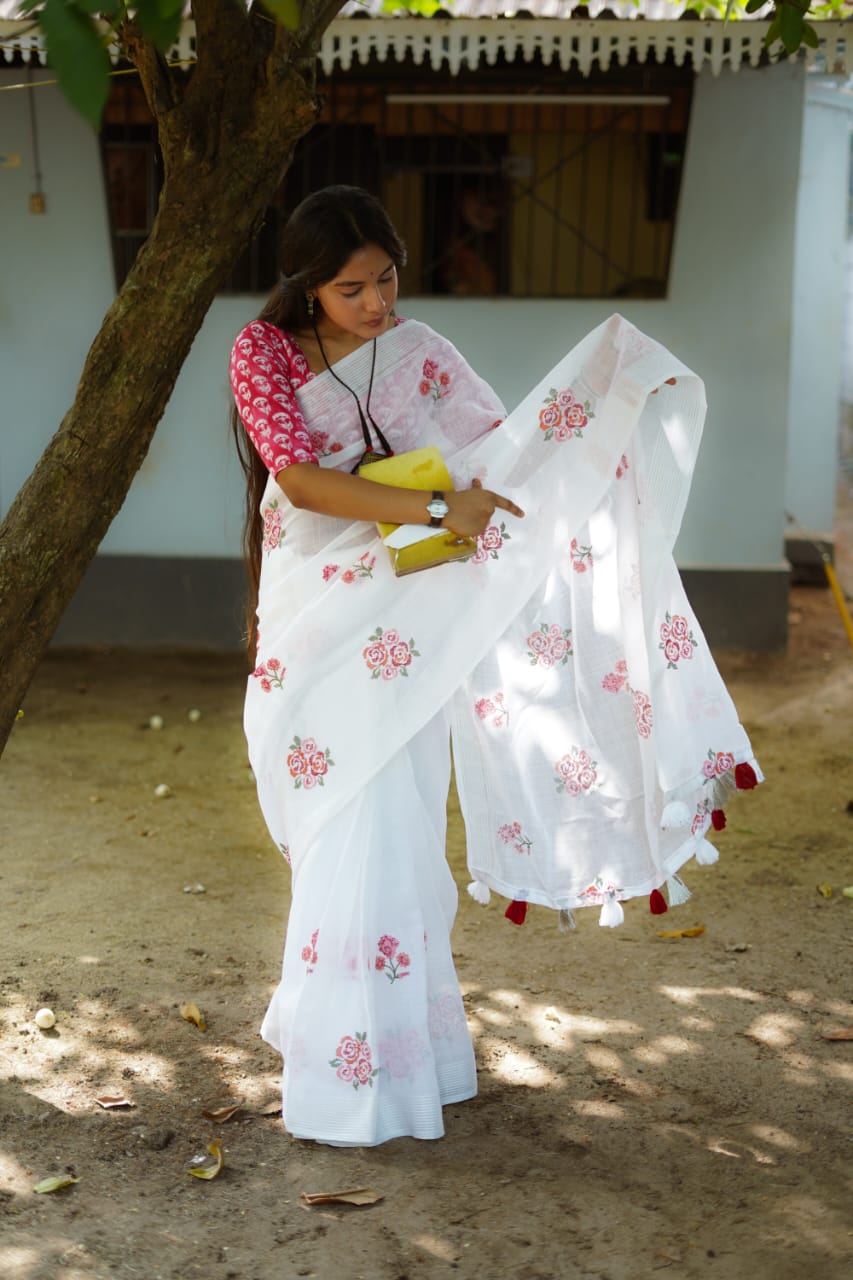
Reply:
x=655, y=9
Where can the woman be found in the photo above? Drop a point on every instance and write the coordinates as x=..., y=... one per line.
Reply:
x=592, y=736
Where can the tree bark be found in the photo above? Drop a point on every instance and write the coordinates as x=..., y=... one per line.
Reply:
x=227, y=133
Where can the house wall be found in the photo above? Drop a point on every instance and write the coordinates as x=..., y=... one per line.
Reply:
x=817, y=341
x=728, y=315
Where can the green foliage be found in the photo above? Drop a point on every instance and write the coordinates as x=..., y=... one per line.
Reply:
x=288, y=12
x=77, y=52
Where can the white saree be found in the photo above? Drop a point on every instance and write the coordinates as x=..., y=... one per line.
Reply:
x=593, y=738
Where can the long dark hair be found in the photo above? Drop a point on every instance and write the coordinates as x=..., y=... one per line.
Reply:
x=318, y=239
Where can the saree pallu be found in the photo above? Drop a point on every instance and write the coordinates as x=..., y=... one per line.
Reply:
x=594, y=743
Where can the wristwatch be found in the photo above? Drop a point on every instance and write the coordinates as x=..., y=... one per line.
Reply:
x=437, y=509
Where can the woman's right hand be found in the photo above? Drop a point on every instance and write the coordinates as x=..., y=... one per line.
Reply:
x=471, y=510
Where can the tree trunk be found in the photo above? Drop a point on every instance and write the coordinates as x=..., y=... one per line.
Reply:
x=227, y=134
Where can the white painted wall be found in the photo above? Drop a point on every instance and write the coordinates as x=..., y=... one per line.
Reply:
x=728, y=316
x=817, y=348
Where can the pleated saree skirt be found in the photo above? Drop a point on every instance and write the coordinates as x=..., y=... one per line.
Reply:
x=368, y=1015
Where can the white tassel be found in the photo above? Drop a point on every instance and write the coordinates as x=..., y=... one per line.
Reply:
x=677, y=891
x=611, y=914
x=676, y=814
x=566, y=920
x=480, y=892
x=706, y=854
x=724, y=787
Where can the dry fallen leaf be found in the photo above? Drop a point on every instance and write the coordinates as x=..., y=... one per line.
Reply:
x=358, y=1195
x=221, y=1114
x=206, y=1166
x=190, y=1012
x=54, y=1184
x=839, y=1033
x=271, y=1109
x=682, y=933
x=825, y=890
x=113, y=1102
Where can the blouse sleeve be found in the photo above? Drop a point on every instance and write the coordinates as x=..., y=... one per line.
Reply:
x=262, y=380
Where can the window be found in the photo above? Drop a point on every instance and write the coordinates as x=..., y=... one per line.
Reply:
x=512, y=181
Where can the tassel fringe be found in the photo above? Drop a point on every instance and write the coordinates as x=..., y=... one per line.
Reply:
x=676, y=814
x=677, y=890
x=480, y=892
x=706, y=854
x=657, y=903
x=611, y=914
x=516, y=912
x=566, y=921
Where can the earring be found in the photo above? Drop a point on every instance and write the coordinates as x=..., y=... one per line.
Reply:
x=309, y=298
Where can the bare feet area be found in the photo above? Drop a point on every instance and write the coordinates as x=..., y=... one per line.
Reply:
x=647, y=1104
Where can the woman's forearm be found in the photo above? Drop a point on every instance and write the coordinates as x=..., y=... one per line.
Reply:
x=336, y=493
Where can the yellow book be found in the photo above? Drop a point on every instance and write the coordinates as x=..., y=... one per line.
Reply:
x=419, y=469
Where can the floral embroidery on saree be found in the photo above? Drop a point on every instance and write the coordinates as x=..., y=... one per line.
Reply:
x=564, y=415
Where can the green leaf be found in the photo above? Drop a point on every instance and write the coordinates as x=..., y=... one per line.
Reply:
x=791, y=25
x=774, y=32
x=752, y=6
x=160, y=20
x=288, y=12
x=54, y=1184
x=810, y=36
x=79, y=57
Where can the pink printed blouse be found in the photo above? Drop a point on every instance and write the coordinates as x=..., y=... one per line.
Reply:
x=267, y=367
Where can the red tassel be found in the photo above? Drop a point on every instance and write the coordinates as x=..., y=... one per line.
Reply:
x=745, y=778
x=657, y=903
x=718, y=819
x=516, y=912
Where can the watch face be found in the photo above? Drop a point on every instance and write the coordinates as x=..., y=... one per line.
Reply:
x=437, y=508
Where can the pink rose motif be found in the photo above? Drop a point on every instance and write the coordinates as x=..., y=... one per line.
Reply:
x=274, y=664
x=297, y=764
x=567, y=767
x=724, y=762
x=363, y=1070
x=309, y=746
x=348, y=576
x=309, y=781
x=575, y=417
x=672, y=651
x=400, y=655
x=423, y=387
x=686, y=649
x=379, y=963
x=566, y=399
x=537, y=642
x=319, y=764
x=579, y=566
x=665, y=631
x=679, y=627
x=586, y=778
x=612, y=682
x=444, y=379
x=562, y=432
x=403, y=959
x=573, y=787
x=348, y=1049
x=559, y=649
x=390, y=637
x=430, y=369
x=387, y=945
x=265, y=685
x=642, y=714
x=491, y=538
x=549, y=417
x=390, y=672
x=484, y=707
x=345, y=1072
x=336, y=447
x=306, y=953
x=708, y=769
x=329, y=571
x=375, y=655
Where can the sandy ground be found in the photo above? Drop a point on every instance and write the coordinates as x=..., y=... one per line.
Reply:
x=646, y=1105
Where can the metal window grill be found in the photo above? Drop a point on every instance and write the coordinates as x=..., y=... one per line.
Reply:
x=512, y=181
